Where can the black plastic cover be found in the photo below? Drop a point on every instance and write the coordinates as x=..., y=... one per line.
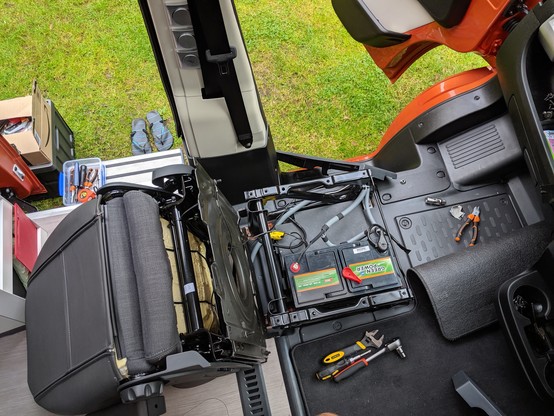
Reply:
x=69, y=331
x=446, y=13
x=483, y=153
x=244, y=171
x=526, y=75
x=445, y=120
x=363, y=26
x=516, y=323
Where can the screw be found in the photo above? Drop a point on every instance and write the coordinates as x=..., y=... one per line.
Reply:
x=476, y=98
x=405, y=223
x=402, y=181
x=387, y=197
x=420, y=124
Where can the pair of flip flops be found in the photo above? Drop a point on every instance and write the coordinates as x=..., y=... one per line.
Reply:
x=163, y=140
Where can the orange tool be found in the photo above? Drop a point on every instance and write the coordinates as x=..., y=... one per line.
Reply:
x=87, y=189
x=473, y=219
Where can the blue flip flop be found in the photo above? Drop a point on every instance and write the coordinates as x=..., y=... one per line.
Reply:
x=161, y=134
x=139, y=137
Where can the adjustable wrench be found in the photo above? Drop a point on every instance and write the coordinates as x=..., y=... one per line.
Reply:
x=369, y=340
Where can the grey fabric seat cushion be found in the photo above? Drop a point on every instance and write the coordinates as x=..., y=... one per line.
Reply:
x=125, y=290
x=153, y=274
x=141, y=280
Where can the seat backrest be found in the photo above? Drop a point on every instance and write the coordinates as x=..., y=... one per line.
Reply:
x=102, y=283
x=141, y=279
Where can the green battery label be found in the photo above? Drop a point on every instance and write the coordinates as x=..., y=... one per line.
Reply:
x=373, y=268
x=316, y=280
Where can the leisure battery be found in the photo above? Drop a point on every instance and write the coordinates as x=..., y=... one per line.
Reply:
x=375, y=269
x=316, y=278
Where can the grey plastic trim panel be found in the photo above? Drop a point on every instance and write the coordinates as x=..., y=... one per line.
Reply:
x=291, y=383
x=253, y=394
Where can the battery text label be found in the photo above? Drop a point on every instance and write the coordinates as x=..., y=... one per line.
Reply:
x=316, y=280
x=373, y=268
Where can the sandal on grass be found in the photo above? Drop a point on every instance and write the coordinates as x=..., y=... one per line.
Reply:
x=139, y=137
x=161, y=134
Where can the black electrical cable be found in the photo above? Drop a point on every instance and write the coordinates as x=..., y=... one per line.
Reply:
x=201, y=255
x=302, y=229
x=398, y=243
x=271, y=301
x=188, y=210
x=301, y=242
x=317, y=237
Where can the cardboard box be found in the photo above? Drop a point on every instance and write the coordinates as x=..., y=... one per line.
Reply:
x=35, y=145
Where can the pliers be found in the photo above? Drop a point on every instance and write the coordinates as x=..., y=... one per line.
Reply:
x=471, y=218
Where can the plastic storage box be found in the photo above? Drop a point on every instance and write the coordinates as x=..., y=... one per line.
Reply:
x=80, y=180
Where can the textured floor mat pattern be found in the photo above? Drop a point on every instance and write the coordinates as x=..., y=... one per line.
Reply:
x=420, y=384
x=430, y=234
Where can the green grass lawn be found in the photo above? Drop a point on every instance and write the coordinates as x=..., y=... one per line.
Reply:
x=321, y=92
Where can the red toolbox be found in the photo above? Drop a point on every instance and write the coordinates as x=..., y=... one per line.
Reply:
x=15, y=174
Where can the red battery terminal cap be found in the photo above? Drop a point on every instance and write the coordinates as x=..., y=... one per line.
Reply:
x=347, y=273
x=295, y=267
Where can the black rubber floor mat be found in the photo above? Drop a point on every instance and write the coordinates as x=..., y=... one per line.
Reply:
x=420, y=384
x=430, y=234
x=463, y=286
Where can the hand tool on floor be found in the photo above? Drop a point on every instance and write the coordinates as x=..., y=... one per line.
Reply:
x=360, y=362
x=473, y=219
x=335, y=368
x=369, y=340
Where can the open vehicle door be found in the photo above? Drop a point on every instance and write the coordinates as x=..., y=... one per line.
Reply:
x=209, y=82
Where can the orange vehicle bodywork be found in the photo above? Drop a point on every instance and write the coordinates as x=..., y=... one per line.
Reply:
x=438, y=93
x=482, y=30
